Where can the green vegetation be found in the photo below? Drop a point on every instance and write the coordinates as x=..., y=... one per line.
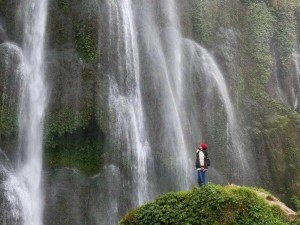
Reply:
x=267, y=34
x=64, y=5
x=260, y=29
x=85, y=39
x=58, y=23
x=295, y=202
x=77, y=150
x=286, y=35
x=65, y=121
x=208, y=16
x=218, y=129
x=8, y=128
x=74, y=140
x=203, y=22
x=60, y=34
x=276, y=125
x=210, y=205
x=280, y=135
x=256, y=1
x=2, y=3
x=8, y=122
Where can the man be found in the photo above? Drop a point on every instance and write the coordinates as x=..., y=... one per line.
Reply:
x=201, y=163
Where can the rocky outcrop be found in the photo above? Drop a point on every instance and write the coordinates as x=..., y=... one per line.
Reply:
x=271, y=200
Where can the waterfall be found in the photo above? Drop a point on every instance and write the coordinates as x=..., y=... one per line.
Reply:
x=125, y=100
x=172, y=40
x=125, y=119
x=296, y=89
x=161, y=44
x=274, y=84
x=25, y=182
x=203, y=62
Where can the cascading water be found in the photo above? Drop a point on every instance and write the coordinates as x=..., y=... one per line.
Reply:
x=296, y=89
x=173, y=59
x=154, y=117
x=26, y=181
x=11, y=69
x=161, y=45
x=125, y=98
x=204, y=62
x=273, y=84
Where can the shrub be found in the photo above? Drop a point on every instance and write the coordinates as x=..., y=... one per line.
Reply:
x=211, y=204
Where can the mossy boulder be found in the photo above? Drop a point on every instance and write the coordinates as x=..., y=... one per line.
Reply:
x=213, y=204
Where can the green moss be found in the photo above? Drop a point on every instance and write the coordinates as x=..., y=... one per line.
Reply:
x=8, y=122
x=78, y=150
x=260, y=29
x=218, y=137
x=64, y=5
x=66, y=121
x=286, y=35
x=58, y=22
x=60, y=34
x=2, y=3
x=73, y=139
x=85, y=39
x=268, y=2
x=291, y=4
x=208, y=16
x=277, y=134
x=202, y=31
x=210, y=204
x=296, y=202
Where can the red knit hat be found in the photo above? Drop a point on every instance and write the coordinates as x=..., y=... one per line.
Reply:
x=204, y=146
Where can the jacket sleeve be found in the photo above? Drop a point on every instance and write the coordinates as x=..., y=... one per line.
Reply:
x=201, y=159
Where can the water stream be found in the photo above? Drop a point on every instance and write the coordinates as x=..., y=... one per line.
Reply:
x=125, y=97
x=26, y=181
x=204, y=63
x=296, y=89
x=161, y=43
x=154, y=115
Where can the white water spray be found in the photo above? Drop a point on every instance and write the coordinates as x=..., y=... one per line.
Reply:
x=33, y=99
x=203, y=61
x=162, y=43
x=125, y=97
x=296, y=59
x=173, y=63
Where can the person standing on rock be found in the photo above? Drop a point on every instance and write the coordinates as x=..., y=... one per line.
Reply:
x=202, y=163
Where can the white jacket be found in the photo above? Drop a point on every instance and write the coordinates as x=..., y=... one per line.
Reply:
x=201, y=158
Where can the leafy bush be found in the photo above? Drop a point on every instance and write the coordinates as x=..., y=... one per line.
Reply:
x=296, y=202
x=211, y=204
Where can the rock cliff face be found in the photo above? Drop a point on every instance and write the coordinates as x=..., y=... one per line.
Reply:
x=91, y=168
x=256, y=43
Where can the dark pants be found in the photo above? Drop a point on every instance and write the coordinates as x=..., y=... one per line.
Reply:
x=201, y=177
